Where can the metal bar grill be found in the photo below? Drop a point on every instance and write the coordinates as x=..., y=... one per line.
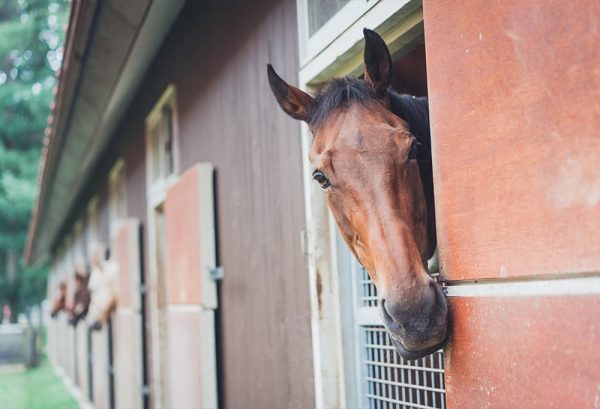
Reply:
x=394, y=383
x=389, y=381
x=367, y=291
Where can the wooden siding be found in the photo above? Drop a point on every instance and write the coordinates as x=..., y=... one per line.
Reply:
x=216, y=56
x=228, y=117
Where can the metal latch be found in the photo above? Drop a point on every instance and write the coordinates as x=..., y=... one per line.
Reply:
x=142, y=288
x=216, y=273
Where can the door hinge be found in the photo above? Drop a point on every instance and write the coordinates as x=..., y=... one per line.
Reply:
x=216, y=273
x=142, y=288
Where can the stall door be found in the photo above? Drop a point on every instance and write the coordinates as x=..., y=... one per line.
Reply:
x=191, y=295
x=127, y=321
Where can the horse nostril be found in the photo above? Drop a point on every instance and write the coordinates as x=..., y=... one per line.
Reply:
x=392, y=311
x=383, y=309
x=388, y=319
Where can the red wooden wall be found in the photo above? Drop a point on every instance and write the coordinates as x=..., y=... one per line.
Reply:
x=514, y=91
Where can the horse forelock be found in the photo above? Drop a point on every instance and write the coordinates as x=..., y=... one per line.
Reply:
x=340, y=93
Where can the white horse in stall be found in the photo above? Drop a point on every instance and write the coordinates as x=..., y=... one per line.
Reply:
x=103, y=286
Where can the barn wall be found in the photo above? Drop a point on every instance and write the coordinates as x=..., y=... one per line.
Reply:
x=513, y=90
x=216, y=57
x=228, y=117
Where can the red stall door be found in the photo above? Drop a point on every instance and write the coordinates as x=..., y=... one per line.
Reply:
x=514, y=90
x=191, y=294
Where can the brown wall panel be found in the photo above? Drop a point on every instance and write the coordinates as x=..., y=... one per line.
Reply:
x=514, y=89
x=524, y=352
x=216, y=57
x=229, y=118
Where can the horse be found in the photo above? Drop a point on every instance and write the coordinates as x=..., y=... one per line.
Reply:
x=59, y=301
x=371, y=156
x=82, y=297
x=103, y=287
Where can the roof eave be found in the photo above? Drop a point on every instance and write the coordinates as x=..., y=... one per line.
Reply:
x=71, y=152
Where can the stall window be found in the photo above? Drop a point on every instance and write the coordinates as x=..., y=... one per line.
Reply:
x=323, y=21
x=374, y=375
x=161, y=137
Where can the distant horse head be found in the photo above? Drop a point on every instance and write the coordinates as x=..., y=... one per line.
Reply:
x=371, y=157
x=59, y=300
x=81, y=299
x=103, y=287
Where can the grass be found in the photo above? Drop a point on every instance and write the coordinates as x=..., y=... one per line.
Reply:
x=36, y=388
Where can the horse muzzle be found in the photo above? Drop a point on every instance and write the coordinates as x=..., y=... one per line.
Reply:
x=420, y=329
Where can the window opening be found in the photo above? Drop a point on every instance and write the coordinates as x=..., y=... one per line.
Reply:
x=161, y=127
x=320, y=12
x=385, y=379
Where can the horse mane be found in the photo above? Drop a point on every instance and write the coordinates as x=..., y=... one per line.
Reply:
x=342, y=92
x=415, y=111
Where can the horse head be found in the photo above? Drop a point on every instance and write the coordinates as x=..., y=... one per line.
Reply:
x=59, y=300
x=81, y=299
x=365, y=154
x=103, y=288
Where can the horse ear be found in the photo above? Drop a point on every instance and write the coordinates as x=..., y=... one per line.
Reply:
x=295, y=103
x=378, y=62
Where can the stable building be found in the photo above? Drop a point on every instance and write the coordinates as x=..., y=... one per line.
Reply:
x=236, y=290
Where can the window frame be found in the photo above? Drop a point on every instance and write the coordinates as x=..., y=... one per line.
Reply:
x=157, y=186
x=312, y=45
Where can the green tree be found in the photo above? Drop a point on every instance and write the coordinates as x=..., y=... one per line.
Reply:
x=31, y=41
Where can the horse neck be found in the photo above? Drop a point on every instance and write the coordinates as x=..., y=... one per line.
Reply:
x=415, y=111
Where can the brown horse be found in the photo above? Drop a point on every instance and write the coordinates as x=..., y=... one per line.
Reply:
x=81, y=298
x=59, y=301
x=371, y=156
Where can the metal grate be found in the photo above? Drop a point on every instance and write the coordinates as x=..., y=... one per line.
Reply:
x=368, y=291
x=394, y=383
x=389, y=381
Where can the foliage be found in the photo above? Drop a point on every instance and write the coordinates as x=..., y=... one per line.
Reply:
x=31, y=37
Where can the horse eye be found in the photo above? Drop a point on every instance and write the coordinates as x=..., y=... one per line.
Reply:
x=321, y=179
x=414, y=148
